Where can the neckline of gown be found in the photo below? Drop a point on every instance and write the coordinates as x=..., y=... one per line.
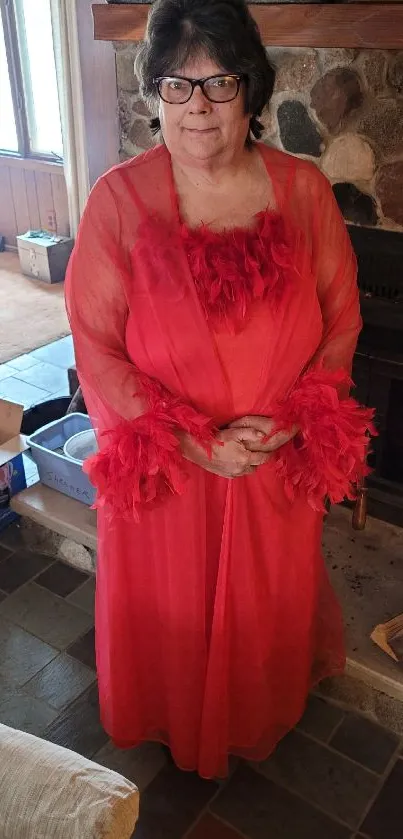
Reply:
x=260, y=214
x=233, y=268
x=230, y=233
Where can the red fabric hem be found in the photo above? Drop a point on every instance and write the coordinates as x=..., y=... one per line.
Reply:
x=142, y=462
x=327, y=458
x=233, y=751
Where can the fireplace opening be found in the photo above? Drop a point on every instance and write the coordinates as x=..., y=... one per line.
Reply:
x=392, y=455
x=378, y=362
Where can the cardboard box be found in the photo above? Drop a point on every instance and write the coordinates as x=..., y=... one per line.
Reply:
x=12, y=471
x=44, y=256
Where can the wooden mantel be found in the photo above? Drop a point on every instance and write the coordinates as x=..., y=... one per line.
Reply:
x=357, y=25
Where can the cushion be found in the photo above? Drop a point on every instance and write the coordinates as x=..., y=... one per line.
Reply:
x=48, y=792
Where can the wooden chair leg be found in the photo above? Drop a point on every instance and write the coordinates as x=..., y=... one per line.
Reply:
x=360, y=508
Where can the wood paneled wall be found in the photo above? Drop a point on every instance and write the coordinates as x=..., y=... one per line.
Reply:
x=30, y=192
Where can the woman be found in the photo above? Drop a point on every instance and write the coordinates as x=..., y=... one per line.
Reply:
x=214, y=307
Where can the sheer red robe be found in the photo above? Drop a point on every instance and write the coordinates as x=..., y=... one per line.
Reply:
x=214, y=614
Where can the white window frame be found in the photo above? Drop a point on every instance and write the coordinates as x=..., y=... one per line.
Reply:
x=20, y=86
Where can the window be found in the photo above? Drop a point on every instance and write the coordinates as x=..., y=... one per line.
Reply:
x=29, y=102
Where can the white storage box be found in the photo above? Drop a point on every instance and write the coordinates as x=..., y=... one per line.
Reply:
x=44, y=256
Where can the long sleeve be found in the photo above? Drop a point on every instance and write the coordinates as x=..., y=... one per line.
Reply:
x=136, y=418
x=97, y=290
x=328, y=456
x=335, y=268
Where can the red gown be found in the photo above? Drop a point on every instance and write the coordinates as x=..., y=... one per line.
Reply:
x=214, y=614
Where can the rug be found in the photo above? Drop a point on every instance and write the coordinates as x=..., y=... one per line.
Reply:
x=32, y=313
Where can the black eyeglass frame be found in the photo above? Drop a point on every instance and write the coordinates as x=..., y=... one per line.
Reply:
x=200, y=83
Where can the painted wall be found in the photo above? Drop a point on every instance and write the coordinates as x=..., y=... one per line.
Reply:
x=33, y=195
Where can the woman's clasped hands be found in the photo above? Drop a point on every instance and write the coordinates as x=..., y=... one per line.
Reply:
x=240, y=448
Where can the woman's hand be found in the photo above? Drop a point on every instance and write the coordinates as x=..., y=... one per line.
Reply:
x=267, y=427
x=236, y=452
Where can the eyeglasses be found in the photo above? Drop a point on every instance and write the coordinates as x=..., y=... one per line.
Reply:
x=176, y=90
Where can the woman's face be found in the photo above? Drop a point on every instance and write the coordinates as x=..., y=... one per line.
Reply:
x=201, y=130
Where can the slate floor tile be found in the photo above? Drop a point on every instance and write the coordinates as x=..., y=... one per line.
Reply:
x=45, y=615
x=84, y=649
x=62, y=393
x=22, y=655
x=365, y=742
x=385, y=819
x=23, y=362
x=322, y=777
x=25, y=394
x=260, y=809
x=211, y=828
x=60, y=353
x=60, y=682
x=25, y=712
x=46, y=376
x=21, y=567
x=5, y=686
x=12, y=537
x=172, y=803
x=140, y=765
x=78, y=727
x=62, y=579
x=320, y=718
x=6, y=371
x=84, y=596
x=4, y=552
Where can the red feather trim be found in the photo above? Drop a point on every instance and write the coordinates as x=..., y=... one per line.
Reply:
x=230, y=268
x=328, y=455
x=233, y=268
x=142, y=462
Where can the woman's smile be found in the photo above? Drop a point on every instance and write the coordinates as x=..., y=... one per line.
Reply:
x=201, y=131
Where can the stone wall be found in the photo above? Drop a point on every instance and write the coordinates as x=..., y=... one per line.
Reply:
x=342, y=109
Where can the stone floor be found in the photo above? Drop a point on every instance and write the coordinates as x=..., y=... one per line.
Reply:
x=366, y=569
x=39, y=375
x=338, y=776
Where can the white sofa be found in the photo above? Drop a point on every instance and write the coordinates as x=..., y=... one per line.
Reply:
x=48, y=792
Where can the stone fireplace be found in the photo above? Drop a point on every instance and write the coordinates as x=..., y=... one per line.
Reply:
x=343, y=110
x=340, y=108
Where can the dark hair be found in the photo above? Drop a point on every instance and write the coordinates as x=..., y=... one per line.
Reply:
x=222, y=29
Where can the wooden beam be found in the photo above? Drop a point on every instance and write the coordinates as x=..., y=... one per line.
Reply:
x=357, y=25
x=120, y=22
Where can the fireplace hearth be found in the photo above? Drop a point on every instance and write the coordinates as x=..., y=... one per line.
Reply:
x=378, y=363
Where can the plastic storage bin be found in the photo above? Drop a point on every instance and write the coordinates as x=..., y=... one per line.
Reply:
x=55, y=469
x=40, y=415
